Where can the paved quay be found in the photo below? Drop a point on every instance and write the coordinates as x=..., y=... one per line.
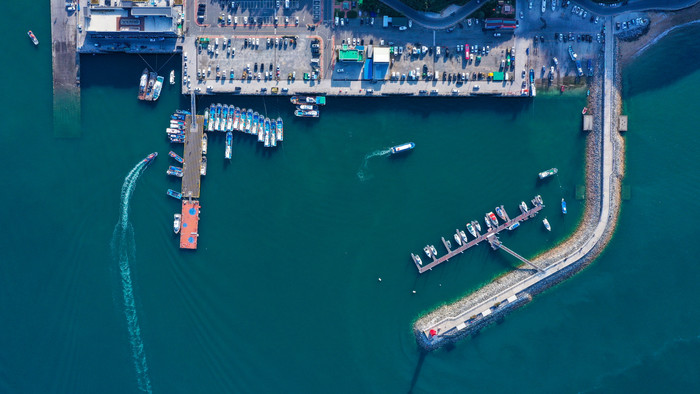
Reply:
x=191, y=179
x=66, y=69
x=433, y=334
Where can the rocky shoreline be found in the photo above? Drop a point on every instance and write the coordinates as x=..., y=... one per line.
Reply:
x=591, y=217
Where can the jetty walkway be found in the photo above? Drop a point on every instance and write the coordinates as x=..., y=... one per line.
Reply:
x=66, y=70
x=192, y=156
x=431, y=334
x=489, y=235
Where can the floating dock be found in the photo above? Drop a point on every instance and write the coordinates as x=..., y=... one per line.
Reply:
x=489, y=235
x=192, y=156
x=190, y=224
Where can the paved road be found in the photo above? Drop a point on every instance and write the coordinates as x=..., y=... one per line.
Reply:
x=443, y=22
x=605, y=212
x=639, y=5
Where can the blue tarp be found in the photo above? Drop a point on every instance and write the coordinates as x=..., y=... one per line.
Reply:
x=368, y=69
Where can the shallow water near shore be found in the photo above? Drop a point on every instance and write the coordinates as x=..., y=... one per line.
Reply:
x=283, y=293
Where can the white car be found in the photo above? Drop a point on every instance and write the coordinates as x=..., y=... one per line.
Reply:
x=235, y=20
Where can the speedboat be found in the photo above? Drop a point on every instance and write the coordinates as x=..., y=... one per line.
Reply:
x=308, y=107
x=229, y=121
x=150, y=157
x=538, y=198
x=523, y=207
x=458, y=238
x=464, y=236
x=514, y=226
x=142, y=84
x=402, y=148
x=493, y=219
x=550, y=172
x=432, y=249
x=157, y=87
x=33, y=38
x=229, y=141
x=471, y=230
x=476, y=225
x=280, y=130
x=584, y=110
x=501, y=213
x=172, y=193
x=176, y=223
x=204, y=143
x=175, y=156
x=546, y=224
x=563, y=206
x=427, y=252
x=417, y=259
x=172, y=77
x=203, y=166
x=488, y=223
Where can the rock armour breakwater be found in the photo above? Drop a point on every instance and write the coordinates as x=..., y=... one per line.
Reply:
x=583, y=234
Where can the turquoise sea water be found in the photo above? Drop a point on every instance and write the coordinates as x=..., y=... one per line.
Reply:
x=283, y=293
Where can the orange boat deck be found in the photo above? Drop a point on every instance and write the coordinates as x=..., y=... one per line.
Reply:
x=190, y=224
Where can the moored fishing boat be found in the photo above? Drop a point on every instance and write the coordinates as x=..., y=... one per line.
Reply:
x=229, y=122
x=267, y=137
x=563, y=206
x=236, y=118
x=306, y=114
x=249, y=121
x=229, y=142
x=280, y=130
x=206, y=118
x=142, y=84
x=203, y=166
x=175, y=156
x=149, y=88
x=157, y=87
x=256, y=123
x=174, y=194
x=471, y=230
x=172, y=77
x=261, y=135
x=546, y=224
x=212, y=114
x=177, y=218
x=402, y=148
x=297, y=100
x=174, y=130
x=204, y=143
x=550, y=172
x=273, y=132
x=175, y=171
x=217, y=118
x=308, y=107
x=33, y=38
x=224, y=118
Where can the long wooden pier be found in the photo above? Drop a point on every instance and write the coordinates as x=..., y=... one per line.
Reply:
x=489, y=236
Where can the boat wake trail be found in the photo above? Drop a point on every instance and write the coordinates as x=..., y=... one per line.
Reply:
x=123, y=250
x=362, y=172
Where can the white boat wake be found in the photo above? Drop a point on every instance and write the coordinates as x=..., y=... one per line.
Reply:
x=362, y=172
x=123, y=249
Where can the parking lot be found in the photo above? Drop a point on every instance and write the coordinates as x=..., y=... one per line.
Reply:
x=260, y=14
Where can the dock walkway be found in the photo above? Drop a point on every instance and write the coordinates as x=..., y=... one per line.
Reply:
x=193, y=157
x=480, y=237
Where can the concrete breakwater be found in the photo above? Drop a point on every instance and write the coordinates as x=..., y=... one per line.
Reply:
x=604, y=169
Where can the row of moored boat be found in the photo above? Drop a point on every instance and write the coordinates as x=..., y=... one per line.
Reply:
x=227, y=118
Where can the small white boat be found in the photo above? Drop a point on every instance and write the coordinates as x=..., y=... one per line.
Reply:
x=172, y=77
x=427, y=252
x=176, y=223
x=546, y=224
x=204, y=143
x=432, y=249
x=458, y=238
x=464, y=236
x=523, y=207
